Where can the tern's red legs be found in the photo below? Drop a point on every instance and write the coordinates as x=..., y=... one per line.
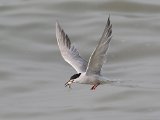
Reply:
x=94, y=86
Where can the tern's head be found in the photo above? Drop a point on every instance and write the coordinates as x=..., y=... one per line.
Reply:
x=72, y=80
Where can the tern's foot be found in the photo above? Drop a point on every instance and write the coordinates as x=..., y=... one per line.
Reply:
x=94, y=87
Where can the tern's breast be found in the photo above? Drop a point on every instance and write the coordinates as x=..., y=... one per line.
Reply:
x=92, y=79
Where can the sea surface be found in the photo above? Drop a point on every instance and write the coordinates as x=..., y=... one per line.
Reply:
x=33, y=73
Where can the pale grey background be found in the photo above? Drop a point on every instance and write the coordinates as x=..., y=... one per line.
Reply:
x=33, y=73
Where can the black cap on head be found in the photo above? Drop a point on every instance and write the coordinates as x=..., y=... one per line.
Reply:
x=75, y=76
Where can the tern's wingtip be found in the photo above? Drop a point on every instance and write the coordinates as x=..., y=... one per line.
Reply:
x=58, y=27
x=57, y=23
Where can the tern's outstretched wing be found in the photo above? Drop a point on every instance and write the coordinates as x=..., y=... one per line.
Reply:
x=69, y=52
x=99, y=54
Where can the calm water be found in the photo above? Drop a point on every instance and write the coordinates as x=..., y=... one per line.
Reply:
x=33, y=73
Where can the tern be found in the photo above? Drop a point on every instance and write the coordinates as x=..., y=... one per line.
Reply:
x=87, y=72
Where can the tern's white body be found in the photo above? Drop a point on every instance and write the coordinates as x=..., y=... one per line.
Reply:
x=87, y=72
x=90, y=79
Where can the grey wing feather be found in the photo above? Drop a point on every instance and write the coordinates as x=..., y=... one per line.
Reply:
x=69, y=52
x=98, y=57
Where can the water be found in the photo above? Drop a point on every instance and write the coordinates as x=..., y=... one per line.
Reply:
x=33, y=73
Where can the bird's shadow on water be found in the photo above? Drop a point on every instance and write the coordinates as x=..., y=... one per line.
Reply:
x=122, y=83
x=129, y=84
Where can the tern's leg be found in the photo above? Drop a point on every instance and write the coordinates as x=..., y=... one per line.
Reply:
x=94, y=86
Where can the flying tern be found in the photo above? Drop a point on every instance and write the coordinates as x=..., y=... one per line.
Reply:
x=87, y=72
